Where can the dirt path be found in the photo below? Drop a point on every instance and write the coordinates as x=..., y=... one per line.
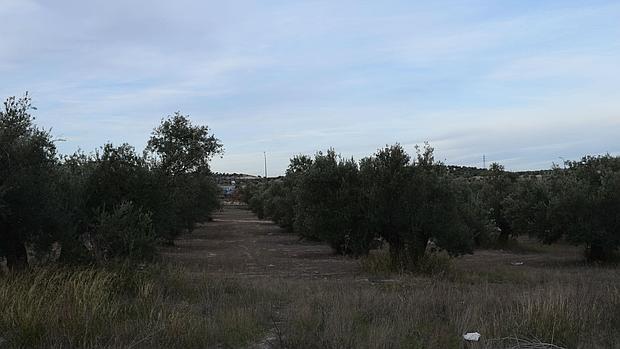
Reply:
x=238, y=243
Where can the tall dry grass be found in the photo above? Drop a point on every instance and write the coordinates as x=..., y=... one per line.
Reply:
x=576, y=311
x=102, y=308
x=172, y=306
x=435, y=314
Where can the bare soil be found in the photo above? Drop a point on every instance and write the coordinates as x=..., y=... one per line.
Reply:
x=237, y=243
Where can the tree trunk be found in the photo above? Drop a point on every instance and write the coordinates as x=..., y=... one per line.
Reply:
x=418, y=249
x=16, y=254
x=502, y=239
x=396, y=255
x=505, y=230
x=598, y=253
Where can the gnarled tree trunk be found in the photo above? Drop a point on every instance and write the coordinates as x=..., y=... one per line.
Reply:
x=15, y=252
x=599, y=252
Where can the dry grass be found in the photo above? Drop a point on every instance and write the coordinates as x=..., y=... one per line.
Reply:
x=159, y=307
x=422, y=313
x=245, y=285
x=577, y=307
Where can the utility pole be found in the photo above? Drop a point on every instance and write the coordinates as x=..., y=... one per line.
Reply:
x=484, y=161
x=265, y=155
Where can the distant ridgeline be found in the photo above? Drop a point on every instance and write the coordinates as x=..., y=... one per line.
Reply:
x=226, y=179
x=473, y=172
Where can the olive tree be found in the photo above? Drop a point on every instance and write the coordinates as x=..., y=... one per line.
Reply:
x=181, y=147
x=329, y=204
x=498, y=185
x=180, y=153
x=434, y=210
x=580, y=204
x=29, y=209
x=587, y=209
x=384, y=177
x=527, y=209
x=411, y=203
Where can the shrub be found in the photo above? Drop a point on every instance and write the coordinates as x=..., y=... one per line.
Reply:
x=194, y=198
x=125, y=232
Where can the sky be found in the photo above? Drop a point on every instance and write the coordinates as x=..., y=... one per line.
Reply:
x=525, y=83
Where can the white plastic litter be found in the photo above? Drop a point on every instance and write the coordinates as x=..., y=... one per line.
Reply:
x=516, y=263
x=471, y=336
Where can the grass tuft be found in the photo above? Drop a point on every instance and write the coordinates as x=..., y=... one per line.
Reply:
x=156, y=307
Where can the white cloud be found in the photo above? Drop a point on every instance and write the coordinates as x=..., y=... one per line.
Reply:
x=523, y=82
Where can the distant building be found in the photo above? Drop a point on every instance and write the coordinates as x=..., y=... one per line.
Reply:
x=230, y=182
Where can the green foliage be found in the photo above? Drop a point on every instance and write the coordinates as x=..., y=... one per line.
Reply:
x=254, y=195
x=329, y=205
x=384, y=177
x=422, y=206
x=587, y=209
x=182, y=147
x=125, y=232
x=498, y=185
x=474, y=211
x=118, y=174
x=279, y=203
x=435, y=212
x=387, y=198
x=194, y=198
x=122, y=200
x=29, y=209
x=527, y=209
x=181, y=153
x=580, y=203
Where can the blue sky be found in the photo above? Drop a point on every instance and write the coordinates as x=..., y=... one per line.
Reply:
x=524, y=82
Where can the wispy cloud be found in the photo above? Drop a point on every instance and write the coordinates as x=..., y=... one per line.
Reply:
x=523, y=82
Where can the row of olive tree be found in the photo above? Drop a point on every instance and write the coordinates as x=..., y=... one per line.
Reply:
x=579, y=203
x=388, y=197
x=407, y=203
x=113, y=203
